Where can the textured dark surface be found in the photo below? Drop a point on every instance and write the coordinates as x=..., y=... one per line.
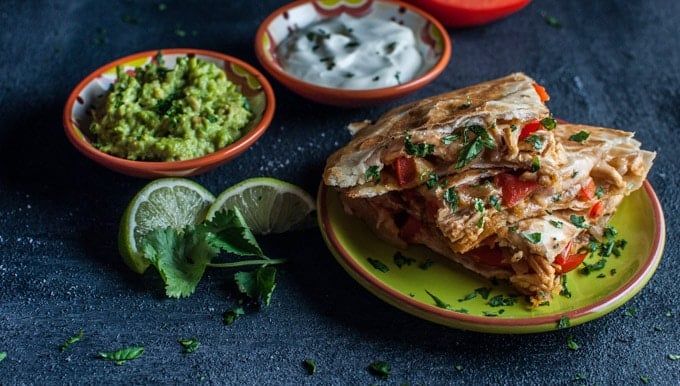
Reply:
x=612, y=63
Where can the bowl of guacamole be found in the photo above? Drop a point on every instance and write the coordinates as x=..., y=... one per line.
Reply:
x=170, y=112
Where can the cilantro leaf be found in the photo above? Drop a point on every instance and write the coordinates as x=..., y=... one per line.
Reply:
x=400, y=260
x=380, y=368
x=438, y=302
x=229, y=316
x=228, y=231
x=190, y=345
x=72, y=340
x=3, y=355
x=379, y=265
x=180, y=259
x=310, y=365
x=564, y=322
x=417, y=149
x=474, y=147
x=120, y=357
x=571, y=343
x=258, y=284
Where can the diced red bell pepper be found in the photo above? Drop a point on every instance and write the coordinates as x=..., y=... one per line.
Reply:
x=540, y=90
x=513, y=189
x=596, y=210
x=529, y=129
x=568, y=261
x=587, y=191
x=405, y=169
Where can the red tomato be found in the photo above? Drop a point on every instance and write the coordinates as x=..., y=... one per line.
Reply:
x=529, y=129
x=489, y=256
x=513, y=189
x=468, y=13
x=410, y=228
x=569, y=263
x=405, y=169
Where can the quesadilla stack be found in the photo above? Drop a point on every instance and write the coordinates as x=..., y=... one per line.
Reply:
x=487, y=178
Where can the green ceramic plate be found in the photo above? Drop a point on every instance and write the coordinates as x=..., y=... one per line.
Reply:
x=420, y=282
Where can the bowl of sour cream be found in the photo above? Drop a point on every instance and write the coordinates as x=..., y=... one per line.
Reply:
x=352, y=52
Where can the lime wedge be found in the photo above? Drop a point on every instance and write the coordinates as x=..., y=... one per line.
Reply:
x=268, y=205
x=165, y=202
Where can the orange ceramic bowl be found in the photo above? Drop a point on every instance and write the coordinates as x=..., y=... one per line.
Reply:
x=90, y=91
x=432, y=41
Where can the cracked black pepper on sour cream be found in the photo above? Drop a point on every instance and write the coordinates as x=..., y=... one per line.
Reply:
x=352, y=53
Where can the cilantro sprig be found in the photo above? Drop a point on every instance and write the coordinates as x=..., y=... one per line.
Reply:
x=181, y=257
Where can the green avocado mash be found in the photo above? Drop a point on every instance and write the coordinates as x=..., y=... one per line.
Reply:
x=162, y=114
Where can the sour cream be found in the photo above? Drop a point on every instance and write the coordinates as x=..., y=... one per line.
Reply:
x=352, y=53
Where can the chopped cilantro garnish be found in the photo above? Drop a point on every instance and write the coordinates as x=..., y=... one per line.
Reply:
x=372, y=173
x=451, y=197
x=310, y=366
x=552, y=21
x=479, y=207
x=500, y=301
x=549, y=123
x=419, y=149
x=400, y=260
x=379, y=265
x=120, y=357
x=580, y=136
x=533, y=238
x=3, y=355
x=258, y=285
x=578, y=221
x=380, y=368
x=490, y=314
x=229, y=316
x=599, y=192
x=438, y=302
x=588, y=268
x=565, y=290
x=571, y=343
x=190, y=345
x=432, y=180
x=495, y=201
x=425, y=265
x=556, y=224
x=564, y=322
x=673, y=357
x=535, y=140
x=535, y=164
x=449, y=139
x=71, y=341
x=644, y=379
x=467, y=104
x=473, y=147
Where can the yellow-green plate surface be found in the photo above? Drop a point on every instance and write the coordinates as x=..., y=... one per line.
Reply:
x=639, y=221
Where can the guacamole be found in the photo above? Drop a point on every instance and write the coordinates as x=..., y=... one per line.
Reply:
x=156, y=113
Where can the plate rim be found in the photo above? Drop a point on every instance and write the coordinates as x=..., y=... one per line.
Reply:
x=458, y=320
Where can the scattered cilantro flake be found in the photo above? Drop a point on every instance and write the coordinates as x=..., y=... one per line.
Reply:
x=449, y=139
x=549, y=123
x=180, y=32
x=578, y=221
x=3, y=355
x=599, y=191
x=535, y=165
x=379, y=265
x=644, y=379
x=490, y=314
x=469, y=296
x=451, y=197
x=479, y=207
x=552, y=21
x=71, y=341
x=425, y=265
x=432, y=180
x=580, y=136
x=673, y=357
x=380, y=368
x=120, y=357
x=579, y=377
x=533, y=238
x=565, y=290
x=588, y=268
x=438, y=302
x=189, y=345
x=483, y=292
x=459, y=367
x=500, y=301
x=495, y=201
x=668, y=314
x=535, y=140
x=630, y=312
x=419, y=149
x=229, y=316
x=556, y=224
x=473, y=147
x=571, y=343
x=513, y=127
x=400, y=260
x=372, y=174
x=564, y=322
x=310, y=366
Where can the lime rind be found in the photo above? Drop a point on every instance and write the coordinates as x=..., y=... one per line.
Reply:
x=162, y=203
x=268, y=205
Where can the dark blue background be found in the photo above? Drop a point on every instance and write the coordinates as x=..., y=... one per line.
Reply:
x=612, y=63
